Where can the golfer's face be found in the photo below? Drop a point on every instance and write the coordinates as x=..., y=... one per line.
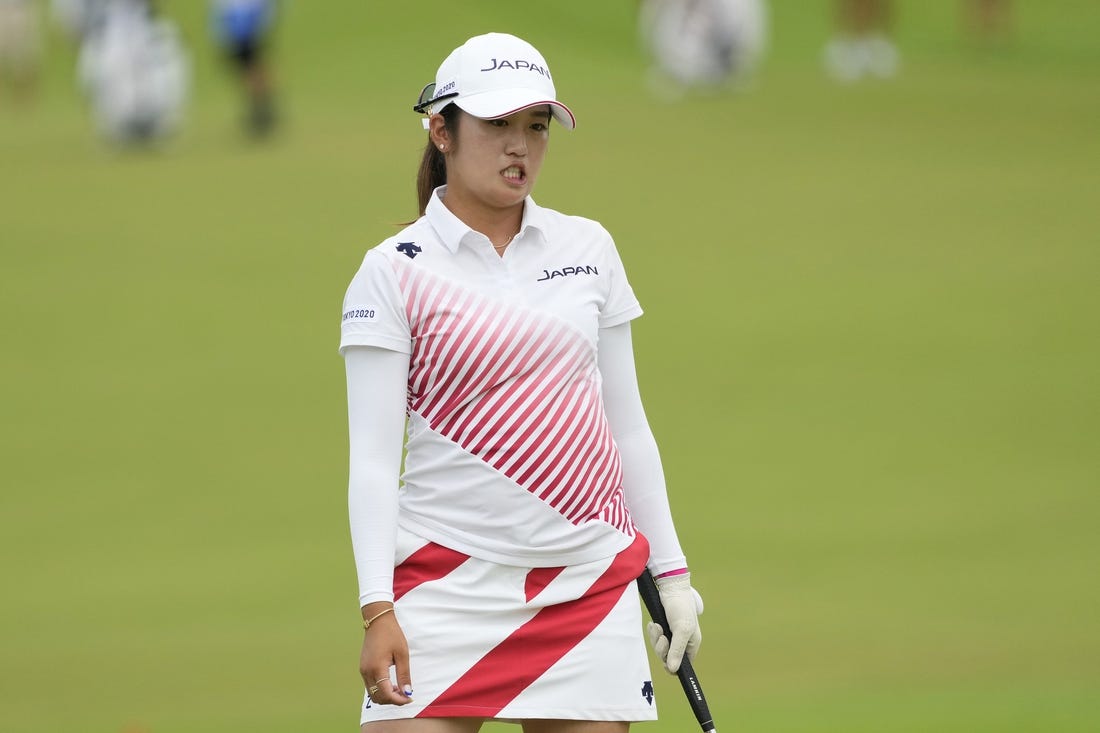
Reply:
x=499, y=160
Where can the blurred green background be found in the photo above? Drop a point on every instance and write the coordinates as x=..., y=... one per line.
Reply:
x=869, y=357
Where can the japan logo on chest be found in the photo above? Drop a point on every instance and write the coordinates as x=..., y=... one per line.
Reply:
x=567, y=271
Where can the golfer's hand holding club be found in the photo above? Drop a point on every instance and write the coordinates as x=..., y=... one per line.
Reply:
x=384, y=645
x=682, y=608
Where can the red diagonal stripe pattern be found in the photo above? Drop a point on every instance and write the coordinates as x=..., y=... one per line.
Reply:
x=510, y=667
x=537, y=579
x=430, y=562
x=518, y=389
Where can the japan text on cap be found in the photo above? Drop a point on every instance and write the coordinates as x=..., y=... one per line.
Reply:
x=494, y=75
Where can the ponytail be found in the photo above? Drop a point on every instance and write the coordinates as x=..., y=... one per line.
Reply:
x=433, y=166
x=432, y=174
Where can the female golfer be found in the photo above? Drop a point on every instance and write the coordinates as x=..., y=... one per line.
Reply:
x=497, y=577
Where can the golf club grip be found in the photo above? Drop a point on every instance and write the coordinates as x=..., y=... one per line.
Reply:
x=647, y=587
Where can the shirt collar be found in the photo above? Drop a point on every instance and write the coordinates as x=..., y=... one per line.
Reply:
x=452, y=230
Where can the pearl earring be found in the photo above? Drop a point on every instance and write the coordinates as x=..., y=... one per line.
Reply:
x=442, y=147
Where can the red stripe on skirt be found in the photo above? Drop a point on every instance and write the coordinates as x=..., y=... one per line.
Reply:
x=514, y=664
x=538, y=579
x=430, y=562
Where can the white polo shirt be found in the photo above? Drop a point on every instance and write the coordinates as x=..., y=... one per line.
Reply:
x=508, y=456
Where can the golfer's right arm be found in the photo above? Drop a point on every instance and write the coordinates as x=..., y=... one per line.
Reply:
x=377, y=383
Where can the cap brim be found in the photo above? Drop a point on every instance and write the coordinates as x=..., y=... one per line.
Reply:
x=501, y=103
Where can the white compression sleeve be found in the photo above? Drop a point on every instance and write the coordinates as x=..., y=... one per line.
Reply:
x=643, y=475
x=377, y=385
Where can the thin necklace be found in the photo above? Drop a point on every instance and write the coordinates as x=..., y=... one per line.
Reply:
x=499, y=247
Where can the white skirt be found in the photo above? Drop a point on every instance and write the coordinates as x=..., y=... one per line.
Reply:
x=512, y=643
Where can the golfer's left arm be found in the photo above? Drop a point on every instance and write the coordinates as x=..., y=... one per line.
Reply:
x=647, y=496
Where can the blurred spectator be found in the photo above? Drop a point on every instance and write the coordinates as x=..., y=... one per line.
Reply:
x=861, y=44
x=987, y=18
x=242, y=29
x=703, y=43
x=19, y=47
x=134, y=70
x=78, y=17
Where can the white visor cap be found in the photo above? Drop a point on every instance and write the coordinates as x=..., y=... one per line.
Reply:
x=495, y=75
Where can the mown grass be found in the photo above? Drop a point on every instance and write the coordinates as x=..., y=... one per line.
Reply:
x=869, y=357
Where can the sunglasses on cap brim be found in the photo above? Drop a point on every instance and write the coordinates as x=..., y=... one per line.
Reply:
x=426, y=99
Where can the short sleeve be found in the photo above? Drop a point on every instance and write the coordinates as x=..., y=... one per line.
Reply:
x=621, y=305
x=374, y=312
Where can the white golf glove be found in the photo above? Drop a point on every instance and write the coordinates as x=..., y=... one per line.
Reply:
x=682, y=608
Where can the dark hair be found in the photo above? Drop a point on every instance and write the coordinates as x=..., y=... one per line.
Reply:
x=433, y=166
